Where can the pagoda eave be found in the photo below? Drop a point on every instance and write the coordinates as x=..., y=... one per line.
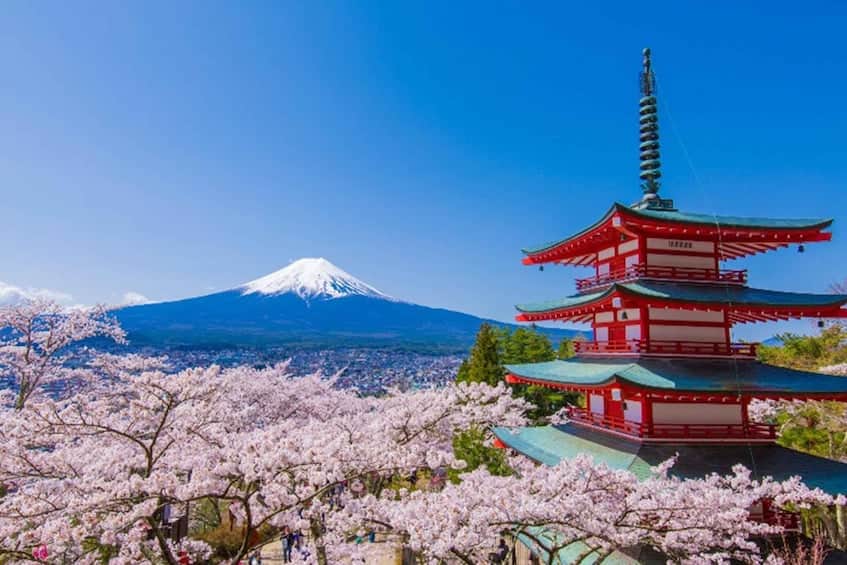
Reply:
x=734, y=240
x=742, y=314
x=740, y=304
x=693, y=396
x=551, y=444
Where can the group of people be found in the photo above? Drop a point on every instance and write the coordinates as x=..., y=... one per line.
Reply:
x=291, y=541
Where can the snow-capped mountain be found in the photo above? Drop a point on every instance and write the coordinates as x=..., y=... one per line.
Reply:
x=311, y=302
x=312, y=279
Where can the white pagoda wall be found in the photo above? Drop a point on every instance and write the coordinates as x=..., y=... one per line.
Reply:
x=692, y=254
x=707, y=326
x=705, y=334
x=695, y=413
x=682, y=315
x=690, y=261
x=627, y=252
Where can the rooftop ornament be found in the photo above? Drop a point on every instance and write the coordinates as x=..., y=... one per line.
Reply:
x=649, y=137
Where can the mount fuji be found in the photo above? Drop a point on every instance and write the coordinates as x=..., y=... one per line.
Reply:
x=311, y=302
x=312, y=279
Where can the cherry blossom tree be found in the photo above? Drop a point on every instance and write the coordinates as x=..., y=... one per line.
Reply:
x=35, y=338
x=97, y=474
x=811, y=425
x=580, y=502
x=92, y=474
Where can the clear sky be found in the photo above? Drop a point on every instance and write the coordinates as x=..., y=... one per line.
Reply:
x=177, y=148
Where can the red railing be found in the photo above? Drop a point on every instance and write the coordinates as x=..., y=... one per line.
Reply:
x=584, y=416
x=660, y=347
x=712, y=431
x=765, y=511
x=674, y=431
x=689, y=274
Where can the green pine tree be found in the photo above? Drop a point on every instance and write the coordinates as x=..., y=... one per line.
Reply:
x=483, y=365
x=566, y=349
x=526, y=345
x=496, y=347
x=473, y=447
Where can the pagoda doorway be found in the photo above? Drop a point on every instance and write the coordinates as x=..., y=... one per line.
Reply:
x=614, y=405
x=617, y=335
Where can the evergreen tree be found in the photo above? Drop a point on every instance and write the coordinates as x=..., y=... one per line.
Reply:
x=473, y=447
x=566, y=349
x=483, y=365
x=496, y=347
x=526, y=345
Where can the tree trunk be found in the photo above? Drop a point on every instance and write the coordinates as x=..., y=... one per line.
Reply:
x=320, y=548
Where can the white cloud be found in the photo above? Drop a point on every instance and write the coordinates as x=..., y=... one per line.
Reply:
x=11, y=294
x=134, y=299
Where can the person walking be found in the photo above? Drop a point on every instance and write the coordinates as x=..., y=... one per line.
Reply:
x=287, y=540
x=499, y=557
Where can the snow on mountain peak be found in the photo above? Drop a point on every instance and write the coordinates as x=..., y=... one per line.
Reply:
x=311, y=278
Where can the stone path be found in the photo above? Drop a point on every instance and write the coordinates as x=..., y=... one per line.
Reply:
x=378, y=554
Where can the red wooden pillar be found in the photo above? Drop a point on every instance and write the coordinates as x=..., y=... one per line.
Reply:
x=745, y=416
x=647, y=415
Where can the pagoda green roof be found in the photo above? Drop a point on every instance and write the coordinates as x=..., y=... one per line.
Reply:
x=685, y=375
x=696, y=293
x=711, y=220
x=733, y=221
x=551, y=444
x=541, y=541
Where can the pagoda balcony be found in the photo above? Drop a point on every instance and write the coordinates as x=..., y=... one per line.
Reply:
x=673, y=432
x=668, y=348
x=641, y=271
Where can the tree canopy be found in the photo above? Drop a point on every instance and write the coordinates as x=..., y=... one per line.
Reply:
x=107, y=470
x=816, y=427
x=495, y=348
x=809, y=352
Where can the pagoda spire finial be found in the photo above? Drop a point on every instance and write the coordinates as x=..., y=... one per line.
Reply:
x=649, y=129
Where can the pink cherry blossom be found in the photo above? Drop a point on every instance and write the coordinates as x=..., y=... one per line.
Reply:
x=99, y=466
x=36, y=337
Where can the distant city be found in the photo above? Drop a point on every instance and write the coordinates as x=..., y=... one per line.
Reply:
x=372, y=371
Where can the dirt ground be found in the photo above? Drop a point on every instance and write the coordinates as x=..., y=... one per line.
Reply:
x=378, y=554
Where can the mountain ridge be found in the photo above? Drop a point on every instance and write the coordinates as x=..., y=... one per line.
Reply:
x=311, y=301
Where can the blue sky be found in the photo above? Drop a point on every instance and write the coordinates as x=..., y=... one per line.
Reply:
x=173, y=149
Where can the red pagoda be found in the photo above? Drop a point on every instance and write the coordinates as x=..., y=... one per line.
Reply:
x=661, y=374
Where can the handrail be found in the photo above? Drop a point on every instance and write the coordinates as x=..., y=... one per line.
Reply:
x=664, y=347
x=673, y=431
x=714, y=431
x=690, y=274
x=605, y=421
